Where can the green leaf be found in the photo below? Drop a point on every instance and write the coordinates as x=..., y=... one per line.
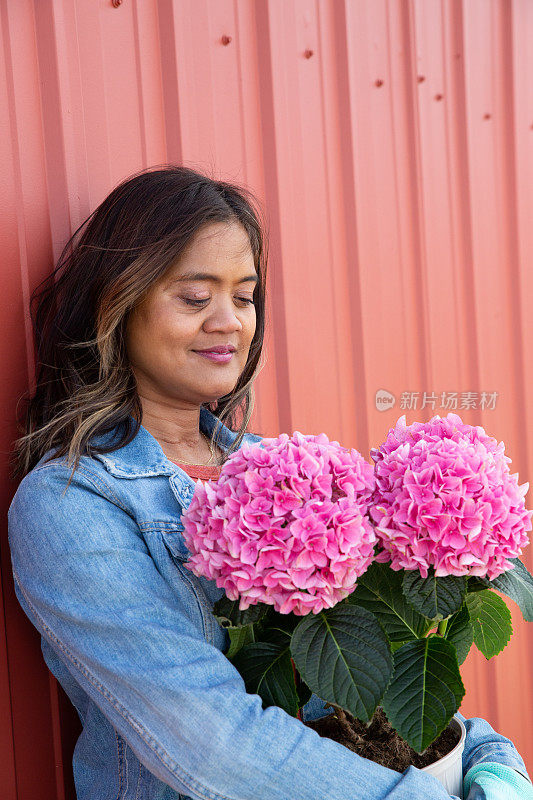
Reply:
x=228, y=614
x=517, y=583
x=267, y=671
x=476, y=584
x=425, y=690
x=396, y=646
x=491, y=621
x=435, y=598
x=343, y=655
x=379, y=590
x=460, y=633
x=273, y=620
x=238, y=638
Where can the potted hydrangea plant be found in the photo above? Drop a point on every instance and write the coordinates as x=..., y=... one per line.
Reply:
x=366, y=585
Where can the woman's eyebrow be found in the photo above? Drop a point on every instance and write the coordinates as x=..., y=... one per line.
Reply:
x=207, y=276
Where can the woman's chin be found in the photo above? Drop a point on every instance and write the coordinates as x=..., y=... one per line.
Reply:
x=218, y=392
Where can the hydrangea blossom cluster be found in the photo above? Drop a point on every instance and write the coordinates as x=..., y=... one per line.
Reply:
x=286, y=523
x=445, y=498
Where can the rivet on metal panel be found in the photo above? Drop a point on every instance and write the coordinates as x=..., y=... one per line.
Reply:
x=225, y=39
x=487, y=116
x=378, y=83
x=116, y=3
x=421, y=78
x=308, y=53
x=439, y=96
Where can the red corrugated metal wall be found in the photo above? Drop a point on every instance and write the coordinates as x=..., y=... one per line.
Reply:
x=391, y=143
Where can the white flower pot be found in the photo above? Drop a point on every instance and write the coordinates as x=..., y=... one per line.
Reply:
x=449, y=769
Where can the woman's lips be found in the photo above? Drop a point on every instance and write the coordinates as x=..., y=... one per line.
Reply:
x=219, y=358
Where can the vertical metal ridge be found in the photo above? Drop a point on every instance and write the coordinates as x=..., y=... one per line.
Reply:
x=338, y=345
x=8, y=775
x=511, y=224
x=350, y=224
x=461, y=220
x=268, y=126
x=139, y=82
x=418, y=289
x=171, y=90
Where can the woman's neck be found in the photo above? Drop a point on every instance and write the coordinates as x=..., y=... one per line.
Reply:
x=178, y=432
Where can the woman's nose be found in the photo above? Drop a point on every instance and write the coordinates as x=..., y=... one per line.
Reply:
x=224, y=317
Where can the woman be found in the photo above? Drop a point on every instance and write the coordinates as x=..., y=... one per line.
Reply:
x=169, y=271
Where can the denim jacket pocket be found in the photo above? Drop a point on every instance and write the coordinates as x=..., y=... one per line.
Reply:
x=172, y=535
x=200, y=589
x=175, y=543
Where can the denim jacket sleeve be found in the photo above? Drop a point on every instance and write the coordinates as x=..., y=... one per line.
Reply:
x=89, y=584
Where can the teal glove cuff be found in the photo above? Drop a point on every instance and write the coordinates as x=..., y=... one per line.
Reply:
x=498, y=781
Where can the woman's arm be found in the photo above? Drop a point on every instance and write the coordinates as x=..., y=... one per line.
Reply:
x=86, y=580
x=483, y=744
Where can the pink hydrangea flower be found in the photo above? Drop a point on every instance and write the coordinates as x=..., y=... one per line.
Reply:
x=445, y=498
x=286, y=523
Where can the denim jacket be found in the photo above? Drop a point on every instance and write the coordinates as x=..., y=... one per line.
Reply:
x=130, y=635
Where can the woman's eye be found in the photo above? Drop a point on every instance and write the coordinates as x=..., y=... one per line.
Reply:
x=194, y=302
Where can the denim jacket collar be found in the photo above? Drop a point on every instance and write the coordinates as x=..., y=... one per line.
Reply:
x=143, y=457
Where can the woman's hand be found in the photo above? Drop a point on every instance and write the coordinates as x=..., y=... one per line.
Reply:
x=492, y=781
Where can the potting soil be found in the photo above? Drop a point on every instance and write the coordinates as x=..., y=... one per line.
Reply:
x=380, y=742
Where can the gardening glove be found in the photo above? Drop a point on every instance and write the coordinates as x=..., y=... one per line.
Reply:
x=491, y=781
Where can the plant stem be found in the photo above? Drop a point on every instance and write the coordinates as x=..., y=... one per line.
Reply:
x=345, y=722
x=443, y=624
x=297, y=683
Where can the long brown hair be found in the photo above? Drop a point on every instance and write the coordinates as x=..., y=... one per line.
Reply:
x=85, y=386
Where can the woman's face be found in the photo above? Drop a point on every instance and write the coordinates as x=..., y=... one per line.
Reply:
x=205, y=299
